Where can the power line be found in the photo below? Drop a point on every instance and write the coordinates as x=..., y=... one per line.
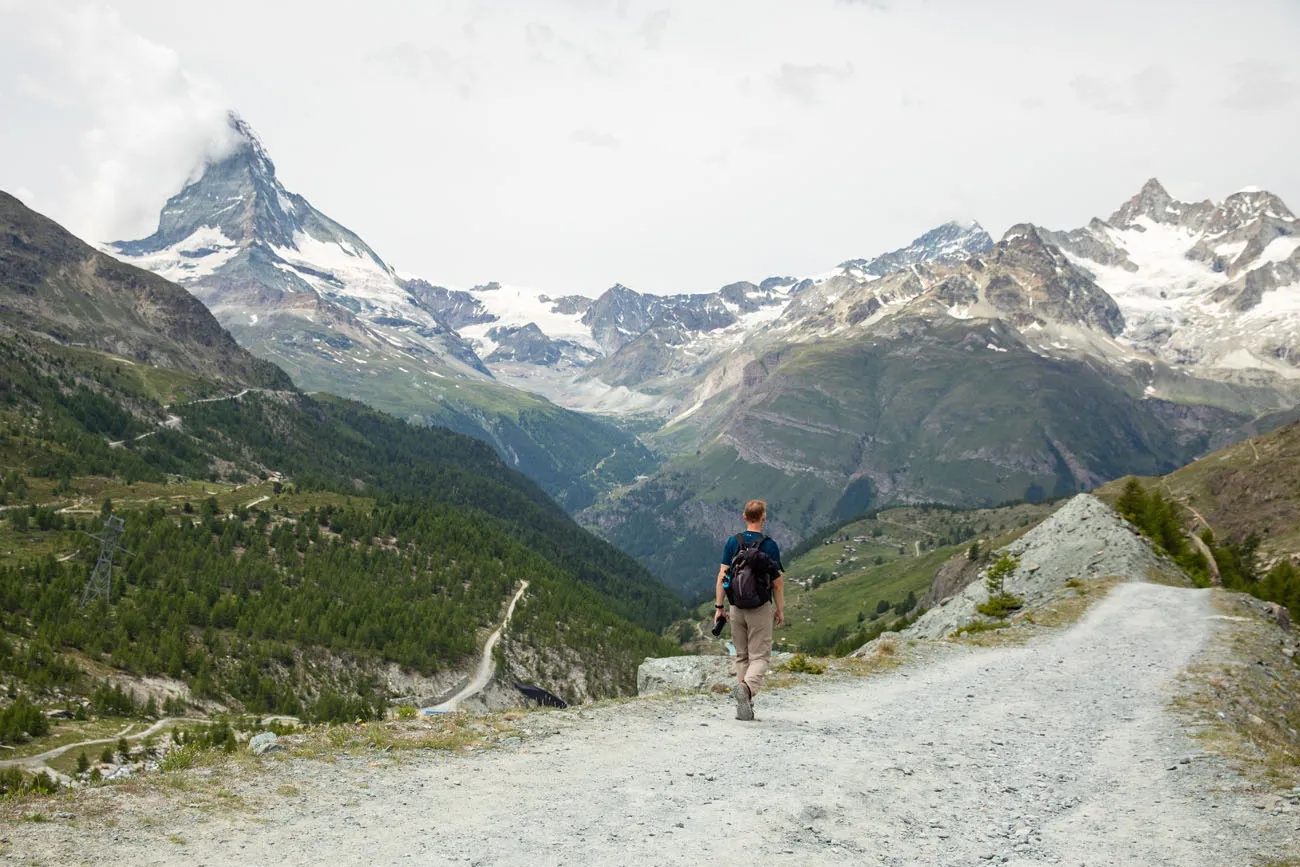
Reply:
x=100, y=582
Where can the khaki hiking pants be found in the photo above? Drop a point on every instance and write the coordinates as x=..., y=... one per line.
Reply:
x=751, y=632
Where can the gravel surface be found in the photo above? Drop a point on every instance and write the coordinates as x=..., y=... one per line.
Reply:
x=1061, y=751
x=1082, y=539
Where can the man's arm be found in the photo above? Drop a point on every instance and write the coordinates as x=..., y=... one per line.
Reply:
x=720, y=596
x=778, y=595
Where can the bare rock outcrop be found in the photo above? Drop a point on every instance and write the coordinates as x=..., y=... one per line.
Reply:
x=1083, y=539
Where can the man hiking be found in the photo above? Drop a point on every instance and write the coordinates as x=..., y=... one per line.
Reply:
x=750, y=578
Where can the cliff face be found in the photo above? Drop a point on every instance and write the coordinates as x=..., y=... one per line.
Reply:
x=53, y=284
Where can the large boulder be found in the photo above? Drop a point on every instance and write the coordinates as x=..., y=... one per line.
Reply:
x=684, y=674
x=690, y=673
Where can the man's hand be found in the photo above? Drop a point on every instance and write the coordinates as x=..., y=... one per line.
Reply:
x=780, y=617
x=719, y=614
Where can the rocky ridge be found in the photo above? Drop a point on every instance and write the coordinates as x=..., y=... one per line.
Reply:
x=1084, y=539
x=54, y=285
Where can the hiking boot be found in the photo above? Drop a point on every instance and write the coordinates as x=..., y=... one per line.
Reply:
x=744, y=707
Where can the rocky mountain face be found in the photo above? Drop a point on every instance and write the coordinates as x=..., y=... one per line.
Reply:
x=289, y=282
x=1212, y=288
x=1018, y=371
x=299, y=289
x=55, y=285
x=948, y=244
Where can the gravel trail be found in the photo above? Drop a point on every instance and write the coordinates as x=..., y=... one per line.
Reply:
x=1057, y=752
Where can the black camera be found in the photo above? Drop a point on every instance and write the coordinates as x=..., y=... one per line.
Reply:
x=717, y=626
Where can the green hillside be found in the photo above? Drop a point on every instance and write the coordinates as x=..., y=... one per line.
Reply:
x=273, y=532
x=825, y=430
x=1232, y=517
x=572, y=456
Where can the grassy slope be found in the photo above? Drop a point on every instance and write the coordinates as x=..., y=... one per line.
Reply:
x=571, y=455
x=1252, y=486
x=833, y=428
x=387, y=458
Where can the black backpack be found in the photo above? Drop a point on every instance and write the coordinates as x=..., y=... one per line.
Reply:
x=749, y=583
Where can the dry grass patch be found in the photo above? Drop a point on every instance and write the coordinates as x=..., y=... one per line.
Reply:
x=1243, y=700
x=445, y=732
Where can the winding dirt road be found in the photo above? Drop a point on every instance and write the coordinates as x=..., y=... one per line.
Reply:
x=37, y=762
x=483, y=675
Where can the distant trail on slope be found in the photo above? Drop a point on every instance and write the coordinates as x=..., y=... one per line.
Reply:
x=37, y=762
x=484, y=673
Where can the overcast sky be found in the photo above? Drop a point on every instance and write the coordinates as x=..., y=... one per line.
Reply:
x=672, y=146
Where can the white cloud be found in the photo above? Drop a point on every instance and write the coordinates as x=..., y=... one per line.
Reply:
x=145, y=124
x=652, y=29
x=547, y=144
x=596, y=139
x=803, y=83
x=1261, y=85
x=1145, y=91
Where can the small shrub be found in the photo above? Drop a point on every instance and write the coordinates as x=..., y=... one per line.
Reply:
x=106, y=757
x=406, y=711
x=180, y=759
x=1000, y=602
x=1000, y=606
x=801, y=664
x=83, y=762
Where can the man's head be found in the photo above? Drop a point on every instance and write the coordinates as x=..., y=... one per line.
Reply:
x=755, y=512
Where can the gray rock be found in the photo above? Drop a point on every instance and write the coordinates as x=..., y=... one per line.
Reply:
x=689, y=673
x=683, y=673
x=264, y=743
x=1083, y=536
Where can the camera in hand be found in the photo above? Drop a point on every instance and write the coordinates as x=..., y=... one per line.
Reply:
x=717, y=626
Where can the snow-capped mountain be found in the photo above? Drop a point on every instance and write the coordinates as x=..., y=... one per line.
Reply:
x=1023, y=280
x=284, y=277
x=1210, y=287
x=627, y=351
x=298, y=288
x=949, y=244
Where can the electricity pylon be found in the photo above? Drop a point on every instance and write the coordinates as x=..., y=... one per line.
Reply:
x=100, y=582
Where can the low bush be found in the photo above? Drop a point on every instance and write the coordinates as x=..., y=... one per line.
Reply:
x=801, y=664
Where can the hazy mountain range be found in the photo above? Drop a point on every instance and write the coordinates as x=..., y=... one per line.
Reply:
x=956, y=369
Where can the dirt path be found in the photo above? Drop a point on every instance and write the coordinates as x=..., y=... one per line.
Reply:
x=1058, y=752
x=486, y=664
x=37, y=762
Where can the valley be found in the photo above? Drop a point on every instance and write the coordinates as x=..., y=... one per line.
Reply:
x=959, y=369
x=379, y=388
x=283, y=555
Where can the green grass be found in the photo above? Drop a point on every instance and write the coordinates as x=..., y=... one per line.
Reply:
x=838, y=603
x=1252, y=486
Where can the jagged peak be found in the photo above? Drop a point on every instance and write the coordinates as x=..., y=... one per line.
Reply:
x=247, y=139
x=1022, y=231
x=1154, y=189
